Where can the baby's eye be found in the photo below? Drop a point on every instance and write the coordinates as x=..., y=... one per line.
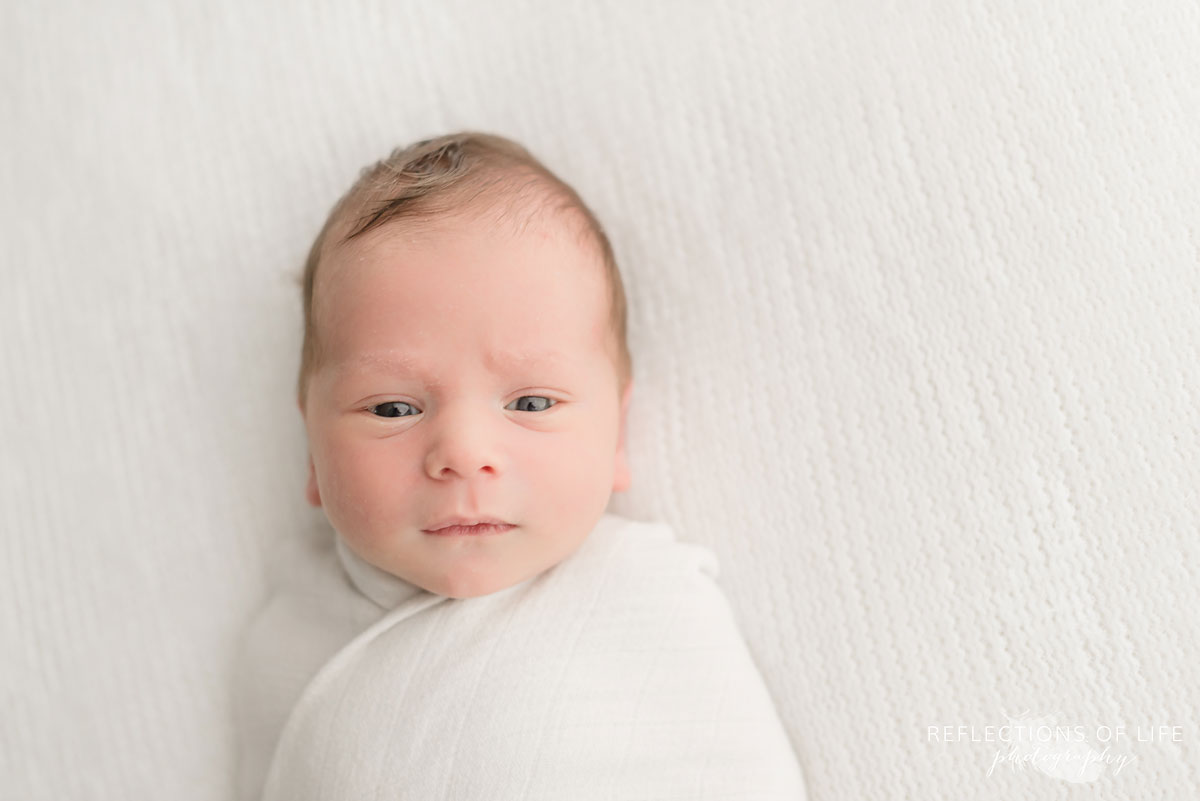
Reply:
x=531, y=403
x=393, y=409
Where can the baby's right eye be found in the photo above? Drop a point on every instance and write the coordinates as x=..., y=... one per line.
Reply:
x=393, y=409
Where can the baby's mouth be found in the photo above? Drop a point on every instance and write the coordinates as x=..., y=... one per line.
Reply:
x=477, y=529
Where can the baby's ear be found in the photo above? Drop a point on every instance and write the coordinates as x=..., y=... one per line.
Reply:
x=312, y=492
x=621, y=477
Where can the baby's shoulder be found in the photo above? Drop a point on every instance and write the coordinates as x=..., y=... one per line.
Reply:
x=652, y=544
x=637, y=548
x=631, y=574
x=308, y=613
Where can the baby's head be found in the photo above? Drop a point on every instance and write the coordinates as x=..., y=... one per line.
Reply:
x=464, y=360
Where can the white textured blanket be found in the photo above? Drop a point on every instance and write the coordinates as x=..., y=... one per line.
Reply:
x=913, y=300
x=618, y=674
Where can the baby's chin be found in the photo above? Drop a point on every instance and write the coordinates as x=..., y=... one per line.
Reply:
x=465, y=566
x=471, y=578
x=463, y=587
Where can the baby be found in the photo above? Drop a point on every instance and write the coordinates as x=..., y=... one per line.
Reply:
x=480, y=626
x=465, y=377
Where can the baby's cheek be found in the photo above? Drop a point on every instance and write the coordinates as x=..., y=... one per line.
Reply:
x=366, y=479
x=556, y=457
x=575, y=470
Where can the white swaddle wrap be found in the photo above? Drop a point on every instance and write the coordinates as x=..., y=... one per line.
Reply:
x=617, y=674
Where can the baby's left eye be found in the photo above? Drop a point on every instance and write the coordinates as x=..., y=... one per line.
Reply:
x=394, y=409
x=531, y=403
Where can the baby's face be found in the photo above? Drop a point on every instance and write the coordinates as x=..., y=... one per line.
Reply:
x=468, y=374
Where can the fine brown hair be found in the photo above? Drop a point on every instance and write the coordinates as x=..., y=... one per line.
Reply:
x=444, y=176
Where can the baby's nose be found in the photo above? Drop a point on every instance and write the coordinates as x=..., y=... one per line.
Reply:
x=463, y=445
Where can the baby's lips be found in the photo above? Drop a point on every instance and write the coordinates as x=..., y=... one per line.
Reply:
x=466, y=522
x=484, y=530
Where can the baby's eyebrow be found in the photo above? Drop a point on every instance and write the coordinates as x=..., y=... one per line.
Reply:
x=501, y=359
x=401, y=364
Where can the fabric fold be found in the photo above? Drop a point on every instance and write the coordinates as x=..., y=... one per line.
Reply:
x=384, y=589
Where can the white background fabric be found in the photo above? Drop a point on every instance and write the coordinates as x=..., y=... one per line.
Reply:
x=913, y=310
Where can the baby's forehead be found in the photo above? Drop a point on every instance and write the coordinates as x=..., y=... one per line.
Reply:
x=434, y=264
x=568, y=233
